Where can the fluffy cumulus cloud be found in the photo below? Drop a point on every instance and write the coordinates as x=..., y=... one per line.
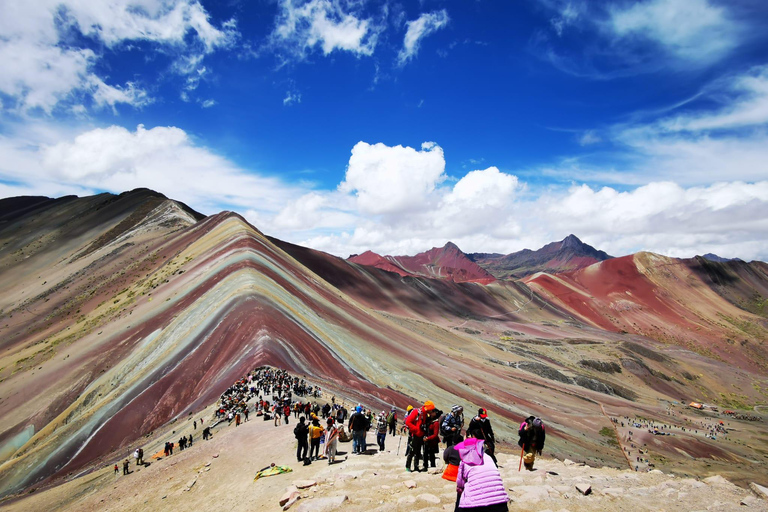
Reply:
x=417, y=30
x=393, y=180
x=726, y=218
x=693, y=30
x=394, y=199
x=330, y=25
x=48, y=49
x=115, y=159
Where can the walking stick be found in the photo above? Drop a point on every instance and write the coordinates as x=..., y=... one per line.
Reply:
x=522, y=452
x=399, y=439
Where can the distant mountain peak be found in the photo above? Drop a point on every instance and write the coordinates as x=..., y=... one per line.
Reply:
x=568, y=254
x=446, y=262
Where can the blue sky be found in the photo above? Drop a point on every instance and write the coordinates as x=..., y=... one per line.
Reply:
x=348, y=125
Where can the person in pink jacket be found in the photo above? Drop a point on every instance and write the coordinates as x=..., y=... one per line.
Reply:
x=478, y=482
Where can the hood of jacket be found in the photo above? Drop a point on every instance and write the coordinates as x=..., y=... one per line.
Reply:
x=471, y=451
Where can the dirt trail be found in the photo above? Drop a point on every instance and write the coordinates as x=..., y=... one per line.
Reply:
x=219, y=475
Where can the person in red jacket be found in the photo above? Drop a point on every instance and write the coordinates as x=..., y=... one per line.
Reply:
x=432, y=439
x=416, y=423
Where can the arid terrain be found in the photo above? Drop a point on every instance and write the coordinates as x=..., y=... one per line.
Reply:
x=122, y=316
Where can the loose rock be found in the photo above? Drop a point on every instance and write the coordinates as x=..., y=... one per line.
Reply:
x=584, y=489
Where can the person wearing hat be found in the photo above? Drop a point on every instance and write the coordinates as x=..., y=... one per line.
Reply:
x=532, y=436
x=452, y=425
x=358, y=425
x=404, y=429
x=381, y=430
x=480, y=428
x=392, y=421
x=478, y=482
x=416, y=422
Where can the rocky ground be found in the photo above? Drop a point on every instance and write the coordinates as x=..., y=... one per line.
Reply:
x=218, y=474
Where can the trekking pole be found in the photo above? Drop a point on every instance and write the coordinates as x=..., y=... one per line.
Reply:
x=522, y=452
x=399, y=439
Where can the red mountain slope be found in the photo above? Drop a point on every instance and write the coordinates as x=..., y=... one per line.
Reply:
x=447, y=262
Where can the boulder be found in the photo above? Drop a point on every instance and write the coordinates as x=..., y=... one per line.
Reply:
x=289, y=494
x=716, y=480
x=429, y=498
x=322, y=504
x=304, y=484
x=759, y=490
x=291, y=501
x=584, y=489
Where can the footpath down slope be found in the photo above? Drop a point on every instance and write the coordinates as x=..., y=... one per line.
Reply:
x=218, y=475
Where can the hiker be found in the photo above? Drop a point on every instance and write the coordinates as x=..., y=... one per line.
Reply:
x=125, y=467
x=392, y=421
x=404, y=428
x=416, y=423
x=116, y=469
x=194, y=424
x=245, y=413
x=237, y=419
x=480, y=428
x=277, y=414
x=532, y=436
x=136, y=456
x=315, y=433
x=300, y=432
x=331, y=440
x=452, y=425
x=432, y=438
x=189, y=440
x=381, y=430
x=167, y=449
x=452, y=459
x=287, y=413
x=478, y=482
x=358, y=424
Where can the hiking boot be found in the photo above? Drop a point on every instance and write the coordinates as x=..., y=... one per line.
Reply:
x=408, y=470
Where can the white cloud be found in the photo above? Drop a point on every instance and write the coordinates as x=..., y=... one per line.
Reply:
x=567, y=15
x=692, y=30
x=115, y=159
x=589, y=137
x=43, y=67
x=393, y=179
x=302, y=25
x=664, y=217
x=291, y=98
x=208, y=103
x=417, y=30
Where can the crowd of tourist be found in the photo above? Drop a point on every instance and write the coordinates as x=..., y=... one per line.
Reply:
x=275, y=395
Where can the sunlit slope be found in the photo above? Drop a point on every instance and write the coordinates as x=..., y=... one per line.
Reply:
x=664, y=299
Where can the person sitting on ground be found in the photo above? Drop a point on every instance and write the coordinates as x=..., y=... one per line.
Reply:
x=480, y=428
x=452, y=460
x=478, y=481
